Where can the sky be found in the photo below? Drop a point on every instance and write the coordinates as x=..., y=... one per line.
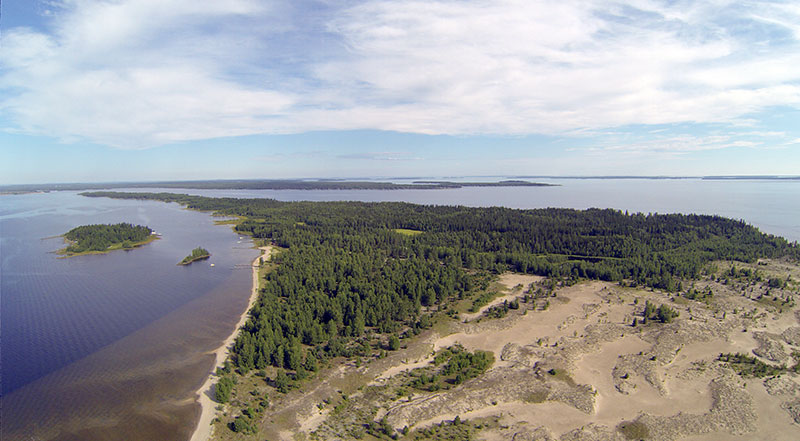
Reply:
x=137, y=90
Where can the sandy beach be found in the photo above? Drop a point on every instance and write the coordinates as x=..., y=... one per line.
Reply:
x=204, y=427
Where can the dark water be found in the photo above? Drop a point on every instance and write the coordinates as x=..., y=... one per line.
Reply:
x=112, y=347
x=110, y=343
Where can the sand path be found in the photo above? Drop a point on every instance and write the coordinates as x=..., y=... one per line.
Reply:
x=204, y=428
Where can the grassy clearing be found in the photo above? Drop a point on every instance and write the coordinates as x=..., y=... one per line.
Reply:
x=407, y=232
x=228, y=221
x=562, y=375
x=537, y=397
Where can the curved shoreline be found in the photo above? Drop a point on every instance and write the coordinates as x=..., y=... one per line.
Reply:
x=203, y=431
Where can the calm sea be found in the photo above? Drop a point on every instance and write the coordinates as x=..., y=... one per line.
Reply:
x=113, y=346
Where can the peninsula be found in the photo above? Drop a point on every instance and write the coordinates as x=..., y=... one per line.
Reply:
x=102, y=238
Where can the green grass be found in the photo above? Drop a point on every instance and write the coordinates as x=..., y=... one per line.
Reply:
x=482, y=300
x=537, y=397
x=633, y=430
x=407, y=232
x=561, y=375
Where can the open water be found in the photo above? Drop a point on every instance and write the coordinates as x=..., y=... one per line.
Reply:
x=107, y=347
x=111, y=346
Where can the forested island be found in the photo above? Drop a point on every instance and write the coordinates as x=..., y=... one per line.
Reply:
x=102, y=238
x=198, y=253
x=354, y=280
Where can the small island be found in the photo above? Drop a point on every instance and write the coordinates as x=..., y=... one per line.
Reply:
x=198, y=253
x=102, y=238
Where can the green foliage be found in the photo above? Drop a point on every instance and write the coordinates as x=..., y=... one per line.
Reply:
x=394, y=343
x=776, y=282
x=482, y=300
x=222, y=391
x=452, y=366
x=464, y=365
x=663, y=313
x=100, y=237
x=282, y=381
x=633, y=430
x=561, y=375
x=702, y=296
x=748, y=366
x=456, y=430
x=197, y=254
x=244, y=424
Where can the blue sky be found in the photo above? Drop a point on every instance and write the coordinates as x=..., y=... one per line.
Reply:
x=182, y=89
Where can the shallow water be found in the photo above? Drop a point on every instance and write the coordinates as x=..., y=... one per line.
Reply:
x=111, y=346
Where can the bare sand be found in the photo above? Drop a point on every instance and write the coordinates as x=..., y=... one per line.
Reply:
x=204, y=428
x=684, y=392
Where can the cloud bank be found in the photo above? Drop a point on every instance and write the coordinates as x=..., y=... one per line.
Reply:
x=141, y=73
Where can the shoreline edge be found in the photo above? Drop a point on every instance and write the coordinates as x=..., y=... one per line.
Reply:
x=203, y=430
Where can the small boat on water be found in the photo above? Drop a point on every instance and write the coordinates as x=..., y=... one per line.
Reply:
x=212, y=264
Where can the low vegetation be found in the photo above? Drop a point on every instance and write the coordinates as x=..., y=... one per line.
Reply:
x=748, y=366
x=451, y=367
x=663, y=314
x=633, y=430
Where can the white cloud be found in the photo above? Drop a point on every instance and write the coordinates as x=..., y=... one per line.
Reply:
x=382, y=156
x=138, y=73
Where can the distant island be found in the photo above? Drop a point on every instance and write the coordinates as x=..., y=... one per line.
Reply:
x=102, y=238
x=281, y=184
x=198, y=253
x=507, y=183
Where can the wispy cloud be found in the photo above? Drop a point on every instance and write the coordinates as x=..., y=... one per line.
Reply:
x=140, y=73
x=382, y=156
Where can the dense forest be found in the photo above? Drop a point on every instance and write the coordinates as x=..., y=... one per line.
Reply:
x=352, y=268
x=102, y=237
